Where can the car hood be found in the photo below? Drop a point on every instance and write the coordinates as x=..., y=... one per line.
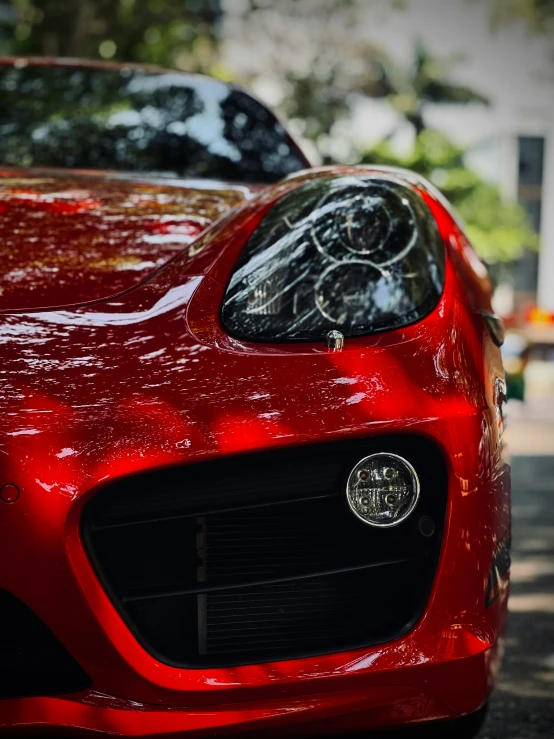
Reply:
x=71, y=238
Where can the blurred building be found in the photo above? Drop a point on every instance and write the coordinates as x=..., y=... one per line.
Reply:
x=527, y=176
x=521, y=160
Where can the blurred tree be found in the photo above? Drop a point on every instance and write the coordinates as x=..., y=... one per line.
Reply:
x=426, y=80
x=312, y=59
x=174, y=33
x=499, y=231
x=537, y=13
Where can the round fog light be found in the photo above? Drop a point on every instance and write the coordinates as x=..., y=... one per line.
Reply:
x=382, y=489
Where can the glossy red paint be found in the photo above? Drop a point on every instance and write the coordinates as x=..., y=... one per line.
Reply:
x=79, y=238
x=149, y=378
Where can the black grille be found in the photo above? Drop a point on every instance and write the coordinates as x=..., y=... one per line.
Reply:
x=257, y=557
x=32, y=660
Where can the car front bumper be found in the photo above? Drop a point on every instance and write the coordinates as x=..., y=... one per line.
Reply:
x=372, y=699
x=443, y=668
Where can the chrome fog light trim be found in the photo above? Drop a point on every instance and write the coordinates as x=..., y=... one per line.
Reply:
x=382, y=489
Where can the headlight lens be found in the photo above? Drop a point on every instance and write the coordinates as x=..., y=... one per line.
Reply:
x=382, y=490
x=356, y=254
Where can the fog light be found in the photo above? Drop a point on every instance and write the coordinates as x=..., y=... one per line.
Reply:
x=382, y=489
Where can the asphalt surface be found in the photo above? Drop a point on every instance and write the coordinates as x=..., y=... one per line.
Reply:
x=522, y=706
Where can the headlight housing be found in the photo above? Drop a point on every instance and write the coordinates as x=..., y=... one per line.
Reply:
x=356, y=254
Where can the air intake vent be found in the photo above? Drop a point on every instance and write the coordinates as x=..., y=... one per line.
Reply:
x=32, y=660
x=257, y=557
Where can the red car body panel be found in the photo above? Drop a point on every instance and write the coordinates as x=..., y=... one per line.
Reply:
x=118, y=232
x=148, y=378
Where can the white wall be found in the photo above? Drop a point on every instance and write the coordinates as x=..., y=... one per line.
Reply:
x=546, y=259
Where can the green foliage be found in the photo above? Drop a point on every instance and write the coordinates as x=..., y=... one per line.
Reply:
x=171, y=33
x=499, y=231
x=536, y=13
x=428, y=79
x=316, y=57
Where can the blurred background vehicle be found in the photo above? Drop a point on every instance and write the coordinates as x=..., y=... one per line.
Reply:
x=459, y=90
x=515, y=355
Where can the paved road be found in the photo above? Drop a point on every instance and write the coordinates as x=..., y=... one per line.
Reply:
x=522, y=707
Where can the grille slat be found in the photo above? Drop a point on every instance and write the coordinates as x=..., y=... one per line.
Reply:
x=257, y=557
x=199, y=588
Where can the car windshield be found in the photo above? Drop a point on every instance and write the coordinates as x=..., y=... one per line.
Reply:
x=139, y=121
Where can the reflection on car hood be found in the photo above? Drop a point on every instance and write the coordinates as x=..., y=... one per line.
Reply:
x=69, y=238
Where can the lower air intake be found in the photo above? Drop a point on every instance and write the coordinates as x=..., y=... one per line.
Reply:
x=254, y=558
x=32, y=660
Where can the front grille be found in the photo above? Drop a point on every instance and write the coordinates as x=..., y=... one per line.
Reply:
x=257, y=557
x=32, y=660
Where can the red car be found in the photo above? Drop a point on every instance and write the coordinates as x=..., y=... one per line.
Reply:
x=252, y=479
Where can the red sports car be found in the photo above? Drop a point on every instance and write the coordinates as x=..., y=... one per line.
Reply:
x=252, y=478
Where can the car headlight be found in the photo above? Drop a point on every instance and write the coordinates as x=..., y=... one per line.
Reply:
x=356, y=254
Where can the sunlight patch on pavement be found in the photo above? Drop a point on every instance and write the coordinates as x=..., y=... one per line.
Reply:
x=528, y=570
x=542, y=602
